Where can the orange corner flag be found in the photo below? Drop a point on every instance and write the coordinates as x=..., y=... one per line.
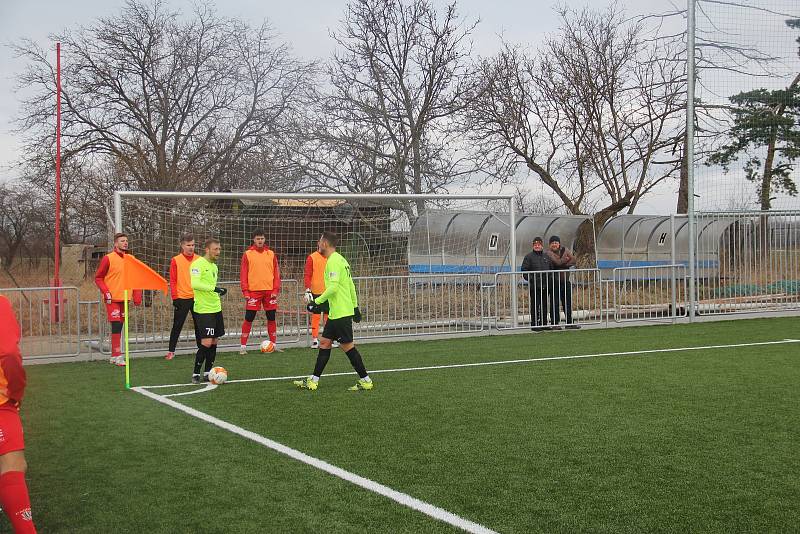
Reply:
x=137, y=275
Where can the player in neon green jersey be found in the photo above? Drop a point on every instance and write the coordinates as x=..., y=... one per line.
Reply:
x=207, y=309
x=341, y=303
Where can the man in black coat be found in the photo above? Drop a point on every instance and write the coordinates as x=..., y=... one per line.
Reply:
x=535, y=269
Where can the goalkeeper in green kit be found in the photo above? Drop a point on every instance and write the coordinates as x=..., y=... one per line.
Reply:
x=340, y=302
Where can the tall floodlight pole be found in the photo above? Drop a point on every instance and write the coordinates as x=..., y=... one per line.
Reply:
x=512, y=252
x=690, y=88
x=57, y=249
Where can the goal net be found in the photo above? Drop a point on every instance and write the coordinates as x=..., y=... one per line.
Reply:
x=418, y=261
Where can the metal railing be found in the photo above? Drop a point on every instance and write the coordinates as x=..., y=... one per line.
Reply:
x=566, y=298
x=49, y=320
x=757, y=265
x=416, y=305
x=650, y=293
x=150, y=323
x=93, y=328
x=290, y=316
x=57, y=324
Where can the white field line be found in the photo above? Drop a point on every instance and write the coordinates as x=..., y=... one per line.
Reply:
x=504, y=362
x=209, y=387
x=370, y=485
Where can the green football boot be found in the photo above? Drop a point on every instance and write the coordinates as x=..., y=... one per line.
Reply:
x=306, y=383
x=362, y=384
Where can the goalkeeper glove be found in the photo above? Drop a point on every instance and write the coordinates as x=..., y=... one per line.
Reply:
x=356, y=315
x=308, y=297
x=221, y=290
x=315, y=308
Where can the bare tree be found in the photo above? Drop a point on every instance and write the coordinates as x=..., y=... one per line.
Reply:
x=176, y=101
x=346, y=157
x=267, y=168
x=526, y=201
x=22, y=221
x=589, y=115
x=395, y=84
x=529, y=202
x=85, y=193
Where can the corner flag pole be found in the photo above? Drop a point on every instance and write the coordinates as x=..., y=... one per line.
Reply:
x=136, y=276
x=127, y=351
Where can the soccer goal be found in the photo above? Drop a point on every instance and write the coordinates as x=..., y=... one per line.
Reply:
x=423, y=264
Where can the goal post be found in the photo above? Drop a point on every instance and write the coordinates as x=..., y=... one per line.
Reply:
x=441, y=242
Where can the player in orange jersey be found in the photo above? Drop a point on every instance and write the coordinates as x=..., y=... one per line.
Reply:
x=180, y=288
x=14, y=498
x=260, y=279
x=314, y=277
x=110, y=281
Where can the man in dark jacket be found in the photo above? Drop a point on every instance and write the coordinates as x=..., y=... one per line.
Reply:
x=562, y=259
x=535, y=269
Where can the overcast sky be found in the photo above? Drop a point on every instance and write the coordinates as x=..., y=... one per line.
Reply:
x=304, y=24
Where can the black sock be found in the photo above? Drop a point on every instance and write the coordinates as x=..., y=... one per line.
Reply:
x=357, y=362
x=211, y=355
x=322, y=360
x=199, y=359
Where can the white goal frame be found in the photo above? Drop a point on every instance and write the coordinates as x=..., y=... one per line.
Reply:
x=509, y=199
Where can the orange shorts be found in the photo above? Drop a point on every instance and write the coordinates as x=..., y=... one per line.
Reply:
x=11, y=438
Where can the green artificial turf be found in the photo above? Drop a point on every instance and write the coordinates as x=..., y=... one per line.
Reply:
x=699, y=441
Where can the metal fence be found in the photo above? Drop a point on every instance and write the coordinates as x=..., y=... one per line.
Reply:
x=150, y=323
x=651, y=293
x=758, y=267
x=49, y=320
x=549, y=299
x=415, y=305
x=57, y=324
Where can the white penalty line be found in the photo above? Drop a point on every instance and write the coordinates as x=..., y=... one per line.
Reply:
x=399, y=497
x=501, y=362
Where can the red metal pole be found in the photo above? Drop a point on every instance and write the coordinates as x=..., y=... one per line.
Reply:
x=57, y=250
x=56, y=297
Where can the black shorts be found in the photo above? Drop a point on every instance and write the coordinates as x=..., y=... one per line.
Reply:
x=340, y=329
x=209, y=325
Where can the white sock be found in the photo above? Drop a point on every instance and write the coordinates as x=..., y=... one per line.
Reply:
x=367, y=379
x=243, y=347
x=314, y=378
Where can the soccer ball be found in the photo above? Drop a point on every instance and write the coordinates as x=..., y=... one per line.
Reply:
x=217, y=375
x=267, y=346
